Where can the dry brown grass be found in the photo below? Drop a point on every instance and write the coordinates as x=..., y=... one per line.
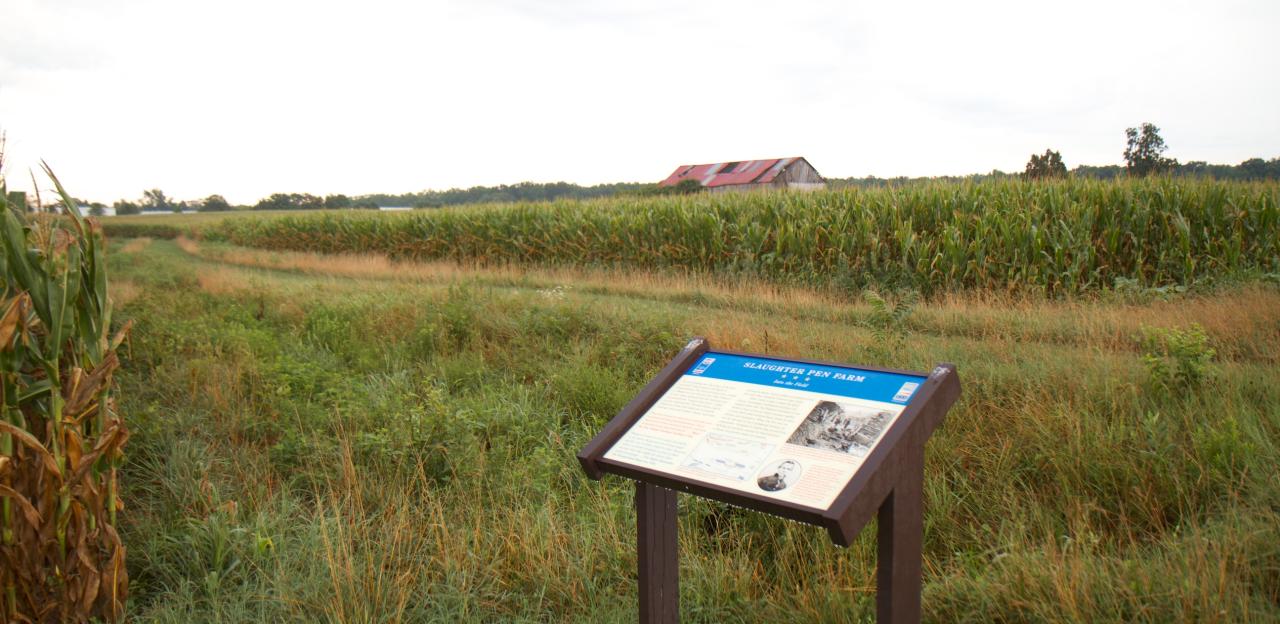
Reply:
x=220, y=280
x=135, y=245
x=1238, y=322
x=639, y=284
x=123, y=292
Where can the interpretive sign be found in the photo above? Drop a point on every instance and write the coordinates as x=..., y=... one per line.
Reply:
x=822, y=443
x=774, y=429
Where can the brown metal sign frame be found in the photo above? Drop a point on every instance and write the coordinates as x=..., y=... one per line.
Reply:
x=887, y=485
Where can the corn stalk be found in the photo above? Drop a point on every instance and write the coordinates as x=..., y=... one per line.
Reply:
x=61, y=559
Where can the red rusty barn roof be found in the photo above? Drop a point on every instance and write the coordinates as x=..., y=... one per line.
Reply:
x=726, y=173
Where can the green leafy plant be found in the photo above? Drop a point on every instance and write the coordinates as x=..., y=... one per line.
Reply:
x=888, y=321
x=1177, y=360
x=1129, y=290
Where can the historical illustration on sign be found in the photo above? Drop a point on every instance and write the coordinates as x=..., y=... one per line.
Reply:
x=844, y=428
x=728, y=456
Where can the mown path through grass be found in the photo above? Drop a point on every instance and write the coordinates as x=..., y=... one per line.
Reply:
x=1240, y=325
x=313, y=442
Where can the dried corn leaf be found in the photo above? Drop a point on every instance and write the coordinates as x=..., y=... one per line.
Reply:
x=32, y=443
x=14, y=311
x=28, y=510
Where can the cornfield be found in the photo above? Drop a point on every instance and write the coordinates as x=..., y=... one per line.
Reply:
x=1067, y=236
x=60, y=436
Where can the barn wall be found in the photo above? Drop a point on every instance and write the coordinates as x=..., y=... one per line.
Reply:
x=737, y=188
x=775, y=186
x=800, y=175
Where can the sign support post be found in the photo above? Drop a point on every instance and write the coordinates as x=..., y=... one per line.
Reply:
x=899, y=557
x=657, y=554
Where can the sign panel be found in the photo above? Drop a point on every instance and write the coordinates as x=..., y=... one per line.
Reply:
x=784, y=430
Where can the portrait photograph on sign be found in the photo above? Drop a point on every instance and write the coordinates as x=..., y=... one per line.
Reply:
x=779, y=476
x=790, y=431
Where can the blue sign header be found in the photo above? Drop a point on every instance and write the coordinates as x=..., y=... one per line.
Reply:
x=836, y=380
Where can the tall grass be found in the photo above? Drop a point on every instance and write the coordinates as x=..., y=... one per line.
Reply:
x=1056, y=237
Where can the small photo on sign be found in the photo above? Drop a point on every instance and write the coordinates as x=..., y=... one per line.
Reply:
x=779, y=475
x=841, y=428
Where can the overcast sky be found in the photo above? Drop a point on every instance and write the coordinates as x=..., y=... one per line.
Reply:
x=249, y=98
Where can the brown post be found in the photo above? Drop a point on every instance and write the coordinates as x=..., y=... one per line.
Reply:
x=657, y=554
x=899, y=532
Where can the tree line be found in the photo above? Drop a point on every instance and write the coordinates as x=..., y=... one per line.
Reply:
x=1143, y=156
x=520, y=192
x=155, y=200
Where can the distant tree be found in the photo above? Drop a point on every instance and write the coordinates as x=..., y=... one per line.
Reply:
x=214, y=203
x=1099, y=172
x=275, y=201
x=1195, y=168
x=155, y=200
x=686, y=186
x=290, y=201
x=1143, y=155
x=124, y=207
x=1254, y=169
x=337, y=201
x=307, y=201
x=1049, y=165
x=97, y=209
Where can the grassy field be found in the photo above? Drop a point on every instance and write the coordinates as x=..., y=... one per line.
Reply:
x=1059, y=238
x=348, y=439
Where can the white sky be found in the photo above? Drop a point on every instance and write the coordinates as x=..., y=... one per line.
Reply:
x=249, y=98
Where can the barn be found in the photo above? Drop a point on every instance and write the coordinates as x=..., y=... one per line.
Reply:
x=774, y=173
